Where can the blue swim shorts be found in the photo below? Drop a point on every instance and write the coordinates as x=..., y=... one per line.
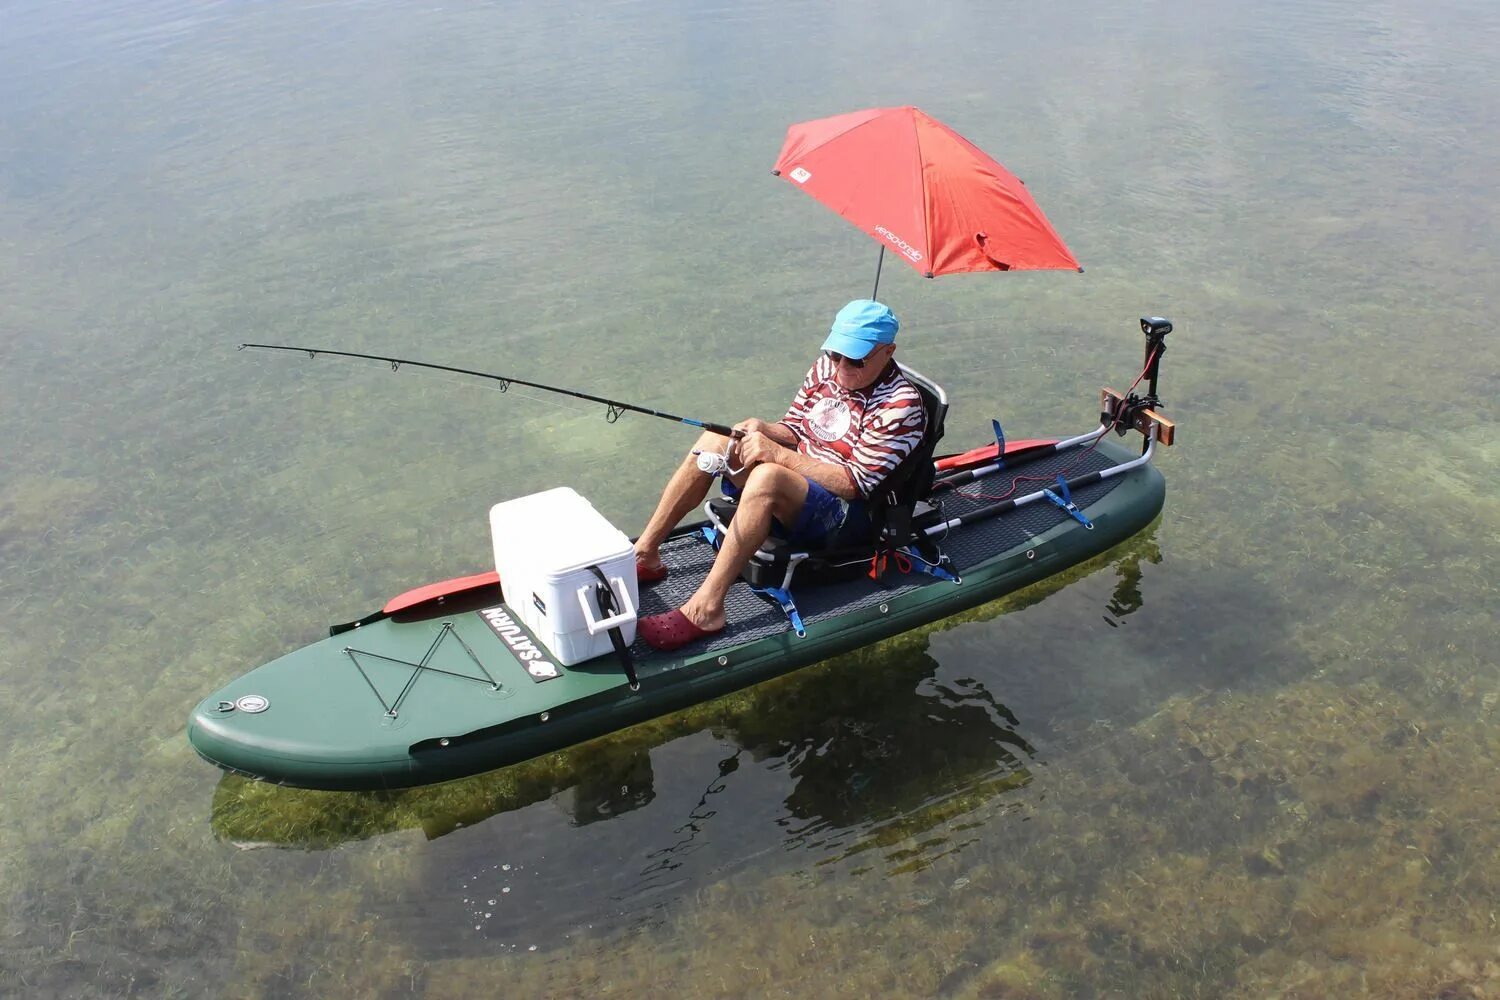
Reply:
x=825, y=519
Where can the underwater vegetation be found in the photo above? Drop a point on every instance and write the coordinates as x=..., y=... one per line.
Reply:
x=1301, y=823
x=1315, y=840
x=1264, y=768
x=1325, y=837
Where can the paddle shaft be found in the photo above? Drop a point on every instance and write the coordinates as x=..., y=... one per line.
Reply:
x=616, y=407
x=1076, y=483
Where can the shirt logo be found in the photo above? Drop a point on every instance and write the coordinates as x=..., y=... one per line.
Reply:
x=829, y=419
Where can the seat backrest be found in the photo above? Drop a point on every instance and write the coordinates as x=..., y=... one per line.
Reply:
x=911, y=480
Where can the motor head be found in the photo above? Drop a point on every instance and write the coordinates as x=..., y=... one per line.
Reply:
x=1156, y=327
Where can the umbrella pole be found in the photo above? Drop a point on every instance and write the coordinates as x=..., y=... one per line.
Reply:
x=874, y=295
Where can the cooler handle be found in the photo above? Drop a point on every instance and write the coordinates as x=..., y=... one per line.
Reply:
x=625, y=617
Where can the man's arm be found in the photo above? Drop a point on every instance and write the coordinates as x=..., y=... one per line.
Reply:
x=834, y=478
x=759, y=446
x=778, y=431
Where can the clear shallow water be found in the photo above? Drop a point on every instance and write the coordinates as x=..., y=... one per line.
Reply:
x=1254, y=752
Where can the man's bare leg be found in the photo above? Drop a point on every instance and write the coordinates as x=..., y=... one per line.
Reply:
x=685, y=490
x=771, y=491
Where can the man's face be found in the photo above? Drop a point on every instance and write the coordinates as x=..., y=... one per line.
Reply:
x=850, y=377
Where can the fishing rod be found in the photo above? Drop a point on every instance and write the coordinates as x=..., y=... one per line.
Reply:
x=614, y=407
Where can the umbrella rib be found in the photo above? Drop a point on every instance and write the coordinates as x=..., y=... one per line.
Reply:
x=916, y=137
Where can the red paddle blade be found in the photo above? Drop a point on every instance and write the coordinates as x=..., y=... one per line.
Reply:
x=445, y=588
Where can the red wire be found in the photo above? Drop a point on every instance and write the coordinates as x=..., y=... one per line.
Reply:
x=1018, y=480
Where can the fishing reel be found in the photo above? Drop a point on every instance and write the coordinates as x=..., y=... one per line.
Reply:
x=1137, y=411
x=711, y=462
x=716, y=464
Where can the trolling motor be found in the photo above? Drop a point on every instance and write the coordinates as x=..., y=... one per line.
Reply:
x=1137, y=411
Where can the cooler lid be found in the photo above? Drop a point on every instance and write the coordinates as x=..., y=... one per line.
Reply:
x=554, y=532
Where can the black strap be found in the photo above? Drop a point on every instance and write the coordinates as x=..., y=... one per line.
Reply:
x=605, y=598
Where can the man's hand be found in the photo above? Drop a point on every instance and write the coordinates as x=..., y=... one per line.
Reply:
x=757, y=447
x=775, y=430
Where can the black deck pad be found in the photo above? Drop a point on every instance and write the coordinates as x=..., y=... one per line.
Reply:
x=752, y=616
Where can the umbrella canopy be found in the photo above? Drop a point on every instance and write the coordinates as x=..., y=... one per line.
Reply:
x=922, y=189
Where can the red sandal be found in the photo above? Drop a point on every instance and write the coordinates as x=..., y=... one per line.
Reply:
x=670, y=631
x=650, y=574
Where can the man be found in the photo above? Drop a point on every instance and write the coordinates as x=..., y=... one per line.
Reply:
x=806, y=476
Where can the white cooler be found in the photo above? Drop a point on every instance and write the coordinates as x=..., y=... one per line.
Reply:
x=544, y=546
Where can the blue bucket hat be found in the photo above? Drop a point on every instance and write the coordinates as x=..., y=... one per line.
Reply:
x=860, y=326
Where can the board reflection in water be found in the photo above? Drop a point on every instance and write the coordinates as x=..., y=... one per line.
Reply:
x=817, y=773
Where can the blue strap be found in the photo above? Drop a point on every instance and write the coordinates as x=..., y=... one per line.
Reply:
x=999, y=443
x=1065, y=501
x=931, y=569
x=783, y=597
x=711, y=535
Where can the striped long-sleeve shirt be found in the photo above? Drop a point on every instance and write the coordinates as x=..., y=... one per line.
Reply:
x=865, y=431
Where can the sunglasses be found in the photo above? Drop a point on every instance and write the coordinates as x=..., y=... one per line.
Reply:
x=855, y=363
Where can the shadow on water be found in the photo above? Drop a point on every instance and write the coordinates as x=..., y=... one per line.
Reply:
x=821, y=773
x=855, y=752
x=878, y=760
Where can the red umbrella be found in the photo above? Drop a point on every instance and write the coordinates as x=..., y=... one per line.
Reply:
x=917, y=186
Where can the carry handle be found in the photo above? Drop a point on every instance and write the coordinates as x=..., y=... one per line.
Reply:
x=625, y=617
